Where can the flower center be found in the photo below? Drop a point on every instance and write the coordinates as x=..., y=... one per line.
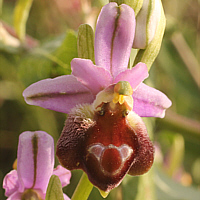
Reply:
x=30, y=194
x=118, y=93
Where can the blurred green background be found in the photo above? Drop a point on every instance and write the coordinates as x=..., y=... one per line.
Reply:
x=52, y=35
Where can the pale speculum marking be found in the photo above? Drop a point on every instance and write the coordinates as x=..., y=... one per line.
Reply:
x=111, y=158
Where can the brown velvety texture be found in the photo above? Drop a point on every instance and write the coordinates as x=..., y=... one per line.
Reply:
x=106, y=147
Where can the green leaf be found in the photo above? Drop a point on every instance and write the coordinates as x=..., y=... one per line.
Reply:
x=135, y=4
x=85, y=42
x=176, y=154
x=146, y=186
x=130, y=187
x=33, y=67
x=83, y=188
x=51, y=60
x=149, y=54
x=68, y=49
x=167, y=189
x=21, y=13
x=54, y=189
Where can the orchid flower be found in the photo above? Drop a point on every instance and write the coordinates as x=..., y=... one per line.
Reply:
x=104, y=134
x=35, y=162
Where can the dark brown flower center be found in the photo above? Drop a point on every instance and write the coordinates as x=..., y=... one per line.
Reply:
x=30, y=194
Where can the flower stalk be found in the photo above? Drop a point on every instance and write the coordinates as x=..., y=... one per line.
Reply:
x=83, y=188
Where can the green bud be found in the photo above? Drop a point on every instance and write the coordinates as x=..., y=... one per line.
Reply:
x=146, y=23
x=150, y=26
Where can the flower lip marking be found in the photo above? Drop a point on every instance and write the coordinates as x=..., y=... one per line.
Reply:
x=111, y=158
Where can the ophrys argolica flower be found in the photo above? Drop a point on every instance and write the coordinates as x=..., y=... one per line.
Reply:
x=35, y=162
x=104, y=134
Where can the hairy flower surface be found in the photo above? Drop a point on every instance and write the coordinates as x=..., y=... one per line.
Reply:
x=104, y=134
x=35, y=162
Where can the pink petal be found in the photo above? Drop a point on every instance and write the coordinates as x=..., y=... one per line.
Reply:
x=59, y=94
x=114, y=37
x=15, y=196
x=93, y=77
x=10, y=183
x=63, y=174
x=35, y=160
x=149, y=102
x=134, y=76
x=66, y=197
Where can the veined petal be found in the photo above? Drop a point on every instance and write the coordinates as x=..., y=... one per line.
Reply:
x=63, y=174
x=149, y=102
x=93, y=77
x=35, y=160
x=134, y=76
x=114, y=37
x=10, y=183
x=59, y=94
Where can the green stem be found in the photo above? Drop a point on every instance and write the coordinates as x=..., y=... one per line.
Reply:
x=51, y=57
x=188, y=127
x=83, y=189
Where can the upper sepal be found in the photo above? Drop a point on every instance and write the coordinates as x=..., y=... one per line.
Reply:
x=114, y=37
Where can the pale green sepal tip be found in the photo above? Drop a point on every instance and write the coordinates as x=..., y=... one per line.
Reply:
x=54, y=189
x=85, y=42
x=123, y=88
x=135, y=4
x=103, y=193
x=21, y=13
x=149, y=54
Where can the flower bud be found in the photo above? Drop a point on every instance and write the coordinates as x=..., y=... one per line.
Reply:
x=147, y=22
